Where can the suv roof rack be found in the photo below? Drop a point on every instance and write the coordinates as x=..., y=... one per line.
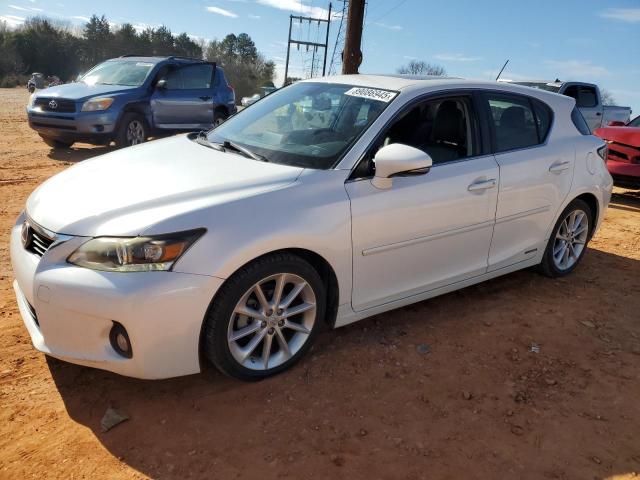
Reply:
x=178, y=57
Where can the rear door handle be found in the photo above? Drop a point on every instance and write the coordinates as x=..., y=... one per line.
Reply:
x=205, y=98
x=559, y=166
x=482, y=185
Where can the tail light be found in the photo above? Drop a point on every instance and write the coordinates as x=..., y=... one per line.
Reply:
x=603, y=152
x=231, y=89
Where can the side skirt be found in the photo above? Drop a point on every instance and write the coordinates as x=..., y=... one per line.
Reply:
x=347, y=315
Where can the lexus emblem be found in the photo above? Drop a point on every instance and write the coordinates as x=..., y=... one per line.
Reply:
x=25, y=235
x=53, y=104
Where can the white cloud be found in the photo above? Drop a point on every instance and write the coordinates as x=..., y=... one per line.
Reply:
x=254, y=17
x=388, y=27
x=25, y=9
x=630, y=15
x=81, y=18
x=296, y=6
x=12, y=21
x=221, y=11
x=578, y=69
x=456, y=57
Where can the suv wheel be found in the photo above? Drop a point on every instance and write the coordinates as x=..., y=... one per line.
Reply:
x=219, y=118
x=265, y=317
x=568, y=241
x=53, y=143
x=131, y=131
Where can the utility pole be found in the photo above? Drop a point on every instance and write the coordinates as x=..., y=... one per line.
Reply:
x=313, y=45
x=352, y=55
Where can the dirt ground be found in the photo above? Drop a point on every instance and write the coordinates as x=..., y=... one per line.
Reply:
x=368, y=402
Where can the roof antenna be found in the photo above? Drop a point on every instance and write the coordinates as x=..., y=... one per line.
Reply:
x=502, y=69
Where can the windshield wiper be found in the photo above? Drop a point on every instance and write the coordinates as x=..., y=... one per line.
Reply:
x=227, y=145
x=202, y=139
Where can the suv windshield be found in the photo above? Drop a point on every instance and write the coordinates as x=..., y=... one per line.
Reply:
x=307, y=124
x=130, y=73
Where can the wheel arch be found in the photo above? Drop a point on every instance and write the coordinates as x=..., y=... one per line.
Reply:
x=318, y=262
x=221, y=109
x=592, y=201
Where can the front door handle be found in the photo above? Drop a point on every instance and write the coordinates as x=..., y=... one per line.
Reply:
x=559, y=166
x=482, y=185
x=205, y=98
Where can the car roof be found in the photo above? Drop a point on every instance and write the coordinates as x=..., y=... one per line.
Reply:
x=409, y=83
x=156, y=59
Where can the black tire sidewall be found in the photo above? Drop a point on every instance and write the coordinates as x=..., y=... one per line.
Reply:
x=127, y=118
x=215, y=344
x=548, y=266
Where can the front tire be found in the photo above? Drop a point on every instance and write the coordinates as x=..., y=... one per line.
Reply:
x=265, y=317
x=568, y=241
x=131, y=131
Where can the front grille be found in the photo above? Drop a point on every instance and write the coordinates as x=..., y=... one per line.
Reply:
x=49, y=125
x=37, y=241
x=60, y=105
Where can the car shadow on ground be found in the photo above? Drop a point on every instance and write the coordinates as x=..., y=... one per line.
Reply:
x=626, y=200
x=77, y=154
x=312, y=417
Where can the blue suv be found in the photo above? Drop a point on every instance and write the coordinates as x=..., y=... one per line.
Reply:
x=130, y=98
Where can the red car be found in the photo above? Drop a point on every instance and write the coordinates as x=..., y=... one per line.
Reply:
x=623, y=161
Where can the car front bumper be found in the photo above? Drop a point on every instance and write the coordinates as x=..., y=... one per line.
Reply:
x=69, y=312
x=624, y=173
x=90, y=127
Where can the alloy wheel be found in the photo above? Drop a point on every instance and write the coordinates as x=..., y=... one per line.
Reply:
x=271, y=321
x=571, y=239
x=135, y=132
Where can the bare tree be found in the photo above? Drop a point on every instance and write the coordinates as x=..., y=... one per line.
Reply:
x=607, y=97
x=420, y=67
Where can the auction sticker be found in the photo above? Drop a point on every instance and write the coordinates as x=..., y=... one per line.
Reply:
x=371, y=93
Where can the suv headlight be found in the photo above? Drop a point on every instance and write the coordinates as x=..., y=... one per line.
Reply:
x=32, y=99
x=97, y=104
x=137, y=254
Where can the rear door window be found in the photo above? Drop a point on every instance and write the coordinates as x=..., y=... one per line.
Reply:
x=190, y=77
x=513, y=121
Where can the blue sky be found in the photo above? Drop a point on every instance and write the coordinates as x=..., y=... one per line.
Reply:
x=588, y=40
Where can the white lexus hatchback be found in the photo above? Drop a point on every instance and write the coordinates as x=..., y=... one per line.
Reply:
x=326, y=202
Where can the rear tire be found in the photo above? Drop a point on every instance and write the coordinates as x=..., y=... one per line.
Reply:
x=132, y=130
x=219, y=117
x=56, y=144
x=269, y=336
x=568, y=241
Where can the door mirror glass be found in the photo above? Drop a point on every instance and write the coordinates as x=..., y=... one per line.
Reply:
x=397, y=158
x=162, y=84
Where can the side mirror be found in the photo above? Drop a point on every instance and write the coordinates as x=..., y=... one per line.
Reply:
x=616, y=123
x=162, y=84
x=398, y=158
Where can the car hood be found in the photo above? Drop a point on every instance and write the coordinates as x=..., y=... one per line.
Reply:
x=128, y=191
x=81, y=90
x=626, y=135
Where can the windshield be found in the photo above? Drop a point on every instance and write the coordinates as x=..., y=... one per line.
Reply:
x=549, y=87
x=307, y=124
x=131, y=73
x=635, y=122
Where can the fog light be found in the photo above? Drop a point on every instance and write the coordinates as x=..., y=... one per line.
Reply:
x=119, y=339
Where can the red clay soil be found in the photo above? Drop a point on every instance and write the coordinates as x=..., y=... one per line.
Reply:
x=370, y=401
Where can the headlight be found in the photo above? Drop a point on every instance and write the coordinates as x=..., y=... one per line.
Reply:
x=138, y=254
x=32, y=99
x=97, y=104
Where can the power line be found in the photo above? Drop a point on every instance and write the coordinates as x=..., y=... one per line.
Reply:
x=397, y=5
